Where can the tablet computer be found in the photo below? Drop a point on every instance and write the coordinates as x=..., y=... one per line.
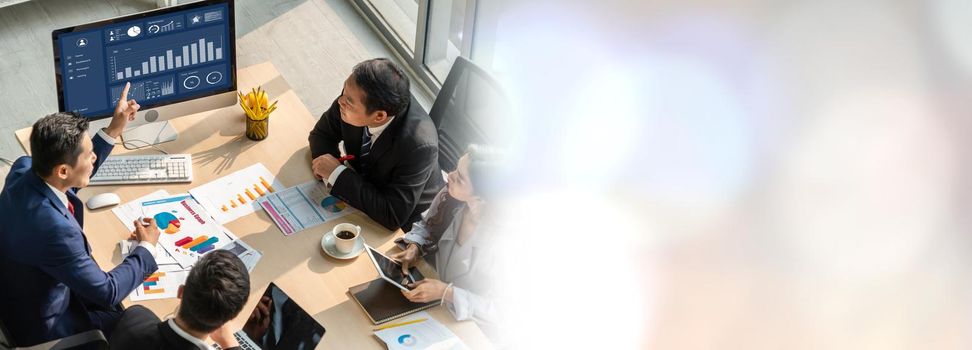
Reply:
x=391, y=271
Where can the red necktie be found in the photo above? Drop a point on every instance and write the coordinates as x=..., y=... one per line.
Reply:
x=71, y=207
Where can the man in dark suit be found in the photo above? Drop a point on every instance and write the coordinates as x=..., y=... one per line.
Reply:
x=395, y=173
x=215, y=293
x=52, y=287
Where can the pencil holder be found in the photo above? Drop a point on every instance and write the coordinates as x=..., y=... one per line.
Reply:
x=257, y=129
x=257, y=112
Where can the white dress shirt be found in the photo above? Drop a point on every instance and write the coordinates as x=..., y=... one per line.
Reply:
x=198, y=342
x=469, y=266
x=375, y=133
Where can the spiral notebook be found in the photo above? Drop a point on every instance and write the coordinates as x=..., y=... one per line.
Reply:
x=383, y=302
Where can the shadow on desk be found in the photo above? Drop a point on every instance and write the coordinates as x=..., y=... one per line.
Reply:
x=226, y=153
x=345, y=324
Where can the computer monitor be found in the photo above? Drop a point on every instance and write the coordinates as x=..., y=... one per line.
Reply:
x=180, y=60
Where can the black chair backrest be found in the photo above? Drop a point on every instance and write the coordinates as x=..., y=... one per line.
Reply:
x=470, y=108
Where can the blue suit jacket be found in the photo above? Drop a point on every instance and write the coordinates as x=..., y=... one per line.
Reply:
x=49, y=278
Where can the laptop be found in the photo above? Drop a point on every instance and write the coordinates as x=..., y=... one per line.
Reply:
x=277, y=322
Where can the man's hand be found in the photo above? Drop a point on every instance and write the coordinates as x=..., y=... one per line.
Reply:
x=407, y=257
x=324, y=165
x=146, y=231
x=223, y=336
x=425, y=291
x=124, y=113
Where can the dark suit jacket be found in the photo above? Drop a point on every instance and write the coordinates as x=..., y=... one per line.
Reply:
x=403, y=171
x=49, y=277
x=140, y=329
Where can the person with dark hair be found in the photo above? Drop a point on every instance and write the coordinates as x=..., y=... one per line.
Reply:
x=455, y=237
x=214, y=294
x=53, y=288
x=395, y=173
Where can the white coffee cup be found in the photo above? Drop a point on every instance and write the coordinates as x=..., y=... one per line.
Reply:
x=345, y=245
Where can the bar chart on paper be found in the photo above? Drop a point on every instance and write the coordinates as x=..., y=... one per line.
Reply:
x=235, y=195
x=198, y=244
x=187, y=230
x=162, y=284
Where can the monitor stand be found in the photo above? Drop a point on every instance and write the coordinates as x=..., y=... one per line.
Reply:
x=148, y=134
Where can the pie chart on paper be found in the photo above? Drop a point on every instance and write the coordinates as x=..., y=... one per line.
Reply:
x=407, y=340
x=167, y=222
x=332, y=204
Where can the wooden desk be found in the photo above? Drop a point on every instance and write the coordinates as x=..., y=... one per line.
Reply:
x=296, y=263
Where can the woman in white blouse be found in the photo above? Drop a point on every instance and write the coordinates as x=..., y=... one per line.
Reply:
x=453, y=237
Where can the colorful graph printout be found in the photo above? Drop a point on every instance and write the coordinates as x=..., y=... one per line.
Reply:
x=303, y=206
x=162, y=284
x=235, y=195
x=189, y=230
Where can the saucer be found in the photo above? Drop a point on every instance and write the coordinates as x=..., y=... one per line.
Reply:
x=327, y=243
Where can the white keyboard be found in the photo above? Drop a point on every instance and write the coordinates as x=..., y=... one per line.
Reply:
x=144, y=169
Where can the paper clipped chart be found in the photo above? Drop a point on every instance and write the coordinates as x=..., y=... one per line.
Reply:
x=235, y=195
x=303, y=206
x=162, y=284
x=187, y=230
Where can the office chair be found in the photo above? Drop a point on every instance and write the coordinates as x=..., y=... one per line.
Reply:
x=92, y=339
x=470, y=108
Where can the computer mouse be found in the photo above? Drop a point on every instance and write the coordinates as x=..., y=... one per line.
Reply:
x=103, y=200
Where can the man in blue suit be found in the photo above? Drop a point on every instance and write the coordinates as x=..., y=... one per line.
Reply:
x=52, y=287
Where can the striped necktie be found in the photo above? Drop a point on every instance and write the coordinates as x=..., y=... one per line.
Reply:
x=365, y=149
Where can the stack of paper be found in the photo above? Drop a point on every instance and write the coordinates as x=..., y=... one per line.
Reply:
x=191, y=226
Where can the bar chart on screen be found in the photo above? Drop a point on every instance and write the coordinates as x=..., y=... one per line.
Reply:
x=186, y=49
x=162, y=284
x=233, y=196
x=146, y=90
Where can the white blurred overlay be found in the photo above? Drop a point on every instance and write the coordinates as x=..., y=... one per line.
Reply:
x=738, y=174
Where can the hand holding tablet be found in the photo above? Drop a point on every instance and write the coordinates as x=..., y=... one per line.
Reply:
x=391, y=271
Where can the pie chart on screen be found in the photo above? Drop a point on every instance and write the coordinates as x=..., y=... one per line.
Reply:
x=167, y=222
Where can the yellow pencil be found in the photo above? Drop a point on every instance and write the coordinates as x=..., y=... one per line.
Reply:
x=393, y=325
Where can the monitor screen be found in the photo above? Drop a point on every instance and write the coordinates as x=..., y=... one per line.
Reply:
x=168, y=55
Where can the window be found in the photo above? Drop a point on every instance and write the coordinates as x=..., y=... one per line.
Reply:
x=428, y=34
x=401, y=16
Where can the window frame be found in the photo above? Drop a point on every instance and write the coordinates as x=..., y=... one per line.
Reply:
x=414, y=58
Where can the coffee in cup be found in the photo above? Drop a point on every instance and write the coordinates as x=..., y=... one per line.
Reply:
x=345, y=236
